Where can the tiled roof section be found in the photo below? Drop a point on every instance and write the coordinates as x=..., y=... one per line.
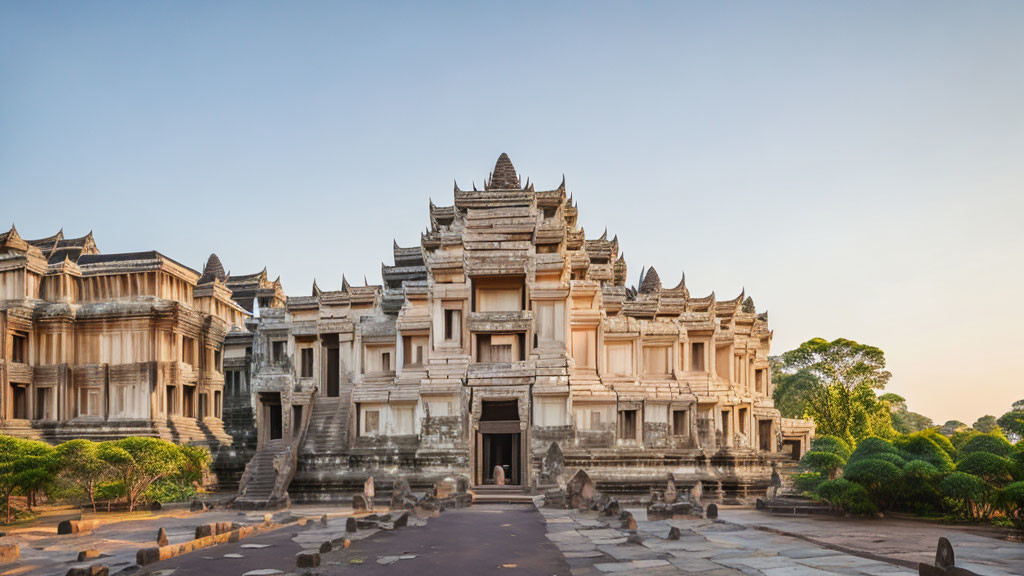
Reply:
x=48, y=243
x=504, y=176
x=213, y=270
x=87, y=259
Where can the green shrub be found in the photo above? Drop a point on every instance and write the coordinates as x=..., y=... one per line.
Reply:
x=879, y=477
x=827, y=464
x=833, y=445
x=961, y=437
x=871, y=448
x=849, y=496
x=918, y=490
x=989, y=443
x=940, y=440
x=993, y=469
x=807, y=483
x=1010, y=501
x=169, y=491
x=970, y=494
x=919, y=446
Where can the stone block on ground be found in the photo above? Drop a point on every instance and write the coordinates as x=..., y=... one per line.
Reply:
x=712, y=511
x=146, y=556
x=204, y=530
x=84, y=555
x=400, y=520
x=161, y=537
x=76, y=526
x=83, y=570
x=350, y=524
x=326, y=547
x=9, y=553
x=673, y=533
x=580, y=490
x=628, y=522
x=359, y=503
x=307, y=559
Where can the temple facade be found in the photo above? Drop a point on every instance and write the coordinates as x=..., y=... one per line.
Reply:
x=105, y=346
x=509, y=340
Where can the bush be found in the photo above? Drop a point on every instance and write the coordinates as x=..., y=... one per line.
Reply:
x=832, y=444
x=970, y=494
x=989, y=443
x=879, y=477
x=941, y=441
x=827, y=464
x=871, y=448
x=993, y=469
x=920, y=447
x=918, y=490
x=1010, y=501
x=807, y=483
x=849, y=496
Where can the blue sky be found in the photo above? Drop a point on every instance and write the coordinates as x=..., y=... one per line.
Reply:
x=856, y=167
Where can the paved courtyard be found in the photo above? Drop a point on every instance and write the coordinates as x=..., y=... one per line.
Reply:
x=521, y=539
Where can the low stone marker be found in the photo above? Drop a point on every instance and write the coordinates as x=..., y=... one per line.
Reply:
x=580, y=490
x=945, y=563
x=350, y=524
x=445, y=488
x=326, y=547
x=673, y=533
x=76, y=526
x=83, y=570
x=161, y=537
x=369, y=492
x=307, y=559
x=671, y=493
x=359, y=503
x=628, y=522
x=712, y=511
x=9, y=553
x=84, y=555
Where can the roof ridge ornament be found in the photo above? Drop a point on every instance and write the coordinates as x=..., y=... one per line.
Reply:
x=504, y=176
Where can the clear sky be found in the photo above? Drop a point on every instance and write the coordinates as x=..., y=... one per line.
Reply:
x=858, y=168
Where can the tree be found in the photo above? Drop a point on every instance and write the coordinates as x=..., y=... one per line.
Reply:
x=846, y=374
x=989, y=443
x=969, y=492
x=138, y=462
x=952, y=427
x=792, y=391
x=25, y=466
x=80, y=462
x=1013, y=421
x=986, y=424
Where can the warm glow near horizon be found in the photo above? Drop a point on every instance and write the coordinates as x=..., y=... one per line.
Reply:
x=857, y=169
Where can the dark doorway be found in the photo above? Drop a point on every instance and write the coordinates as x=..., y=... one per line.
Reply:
x=188, y=404
x=42, y=403
x=172, y=397
x=499, y=442
x=501, y=450
x=793, y=447
x=764, y=434
x=296, y=421
x=333, y=372
x=271, y=402
x=19, y=402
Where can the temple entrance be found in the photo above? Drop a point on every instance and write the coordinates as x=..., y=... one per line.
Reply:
x=19, y=401
x=333, y=372
x=764, y=435
x=793, y=448
x=273, y=424
x=499, y=443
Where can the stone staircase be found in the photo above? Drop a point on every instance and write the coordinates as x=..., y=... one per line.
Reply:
x=491, y=494
x=328, y=426
x=260, y=477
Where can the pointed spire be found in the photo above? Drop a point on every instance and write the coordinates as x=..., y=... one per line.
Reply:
x=457, y=186
x=316, y=289
x=682, y=282
x=651, y=283
x=344, y=284
x=561, y=187
x=604, y=235
x=504, y=176
x=748, y=306
x=213, y=270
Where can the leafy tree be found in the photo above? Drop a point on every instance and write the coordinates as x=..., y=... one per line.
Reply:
x=1013, y=421
x=80, y=462
x=951, y=427
x=918, y=486
x=895, y=401
x=969, y=493
x=832, y=444
x=960, y=437
x=840, y=362
x=873, y=447
x=940, y=441
x=792, y=391
x=26, y=466
x=906, y=422
x=138, y=462
x=827, y=464
x=986, y=424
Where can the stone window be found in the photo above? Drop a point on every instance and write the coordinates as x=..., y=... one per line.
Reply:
x=277, y=351
x=627, y=424
x=307, y=363
x=498, y=294
x=593, y=416
x=44, y=404
x=680, y=423
x=759, y=379
x=188, y=350
x=217, y=361
x=218, y=404
x=413, y=351
x=19, y=348
x=370, y=419
x=498, y=348
x=453, y=325
x=378, y=359
x=90, y=402
x=697, y=356
x=741, y=417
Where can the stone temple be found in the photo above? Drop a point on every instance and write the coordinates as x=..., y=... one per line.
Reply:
x=505, y=341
